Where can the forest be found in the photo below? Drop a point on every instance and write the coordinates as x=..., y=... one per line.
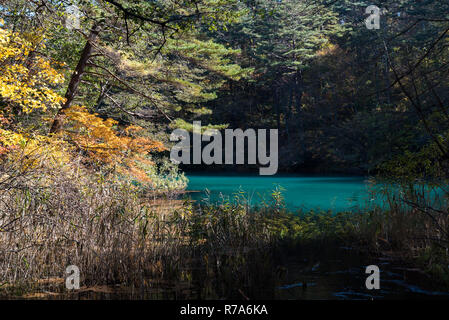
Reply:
x=90, y=91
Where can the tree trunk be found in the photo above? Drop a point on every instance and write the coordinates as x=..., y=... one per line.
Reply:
x=75, y=80
x=288, y=113
x=277, y=102
x=387, y=80
x=298, y=92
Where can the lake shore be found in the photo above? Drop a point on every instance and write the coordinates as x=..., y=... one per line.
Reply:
x=230, y=251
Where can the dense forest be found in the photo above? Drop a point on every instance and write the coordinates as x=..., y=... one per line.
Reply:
x=91, y=90
x=342, y=96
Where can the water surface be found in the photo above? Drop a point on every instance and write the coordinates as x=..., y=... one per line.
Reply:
x=300, y=192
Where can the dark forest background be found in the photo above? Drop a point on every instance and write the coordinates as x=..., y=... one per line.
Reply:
x=344, y=98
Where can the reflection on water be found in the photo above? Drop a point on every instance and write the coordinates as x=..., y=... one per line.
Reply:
x=341, y=275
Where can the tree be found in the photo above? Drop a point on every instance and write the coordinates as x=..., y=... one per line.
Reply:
x=278, y=40
x=25, y=86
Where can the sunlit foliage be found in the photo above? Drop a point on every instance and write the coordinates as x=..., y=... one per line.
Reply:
x=26, y=78
x=102, y=143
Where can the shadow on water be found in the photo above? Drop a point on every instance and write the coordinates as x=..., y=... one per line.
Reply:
x=340, y=274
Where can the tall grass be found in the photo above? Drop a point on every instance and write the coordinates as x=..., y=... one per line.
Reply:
x=123, y=239
x=412, y=222
x=117, y=235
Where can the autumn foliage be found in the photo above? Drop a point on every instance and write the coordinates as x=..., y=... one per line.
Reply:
x=28, y=84
x=26, y=79
x=102, y=144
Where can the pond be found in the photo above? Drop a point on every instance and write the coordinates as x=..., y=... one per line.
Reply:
x=334, y=273
x=306, y=192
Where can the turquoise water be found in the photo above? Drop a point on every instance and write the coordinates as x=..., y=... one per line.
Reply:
x=300, y=192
